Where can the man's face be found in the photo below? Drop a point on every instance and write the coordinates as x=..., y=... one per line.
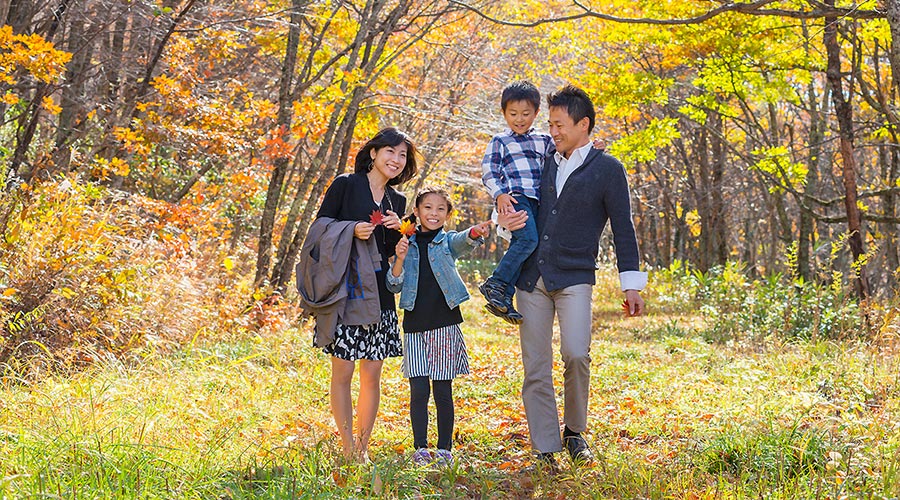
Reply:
x=567, y=134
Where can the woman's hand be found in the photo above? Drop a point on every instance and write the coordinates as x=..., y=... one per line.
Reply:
x=363, y=230
x=391, y=220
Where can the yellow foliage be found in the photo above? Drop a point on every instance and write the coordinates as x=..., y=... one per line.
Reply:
x=50, y=106
x=132, y=140
x=29, y=52
x=98, y=273
x=692, y=219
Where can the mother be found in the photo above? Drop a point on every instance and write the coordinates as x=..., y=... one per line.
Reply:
x=388, y=159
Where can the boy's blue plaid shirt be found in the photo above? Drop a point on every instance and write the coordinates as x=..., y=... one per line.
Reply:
x=513, y=163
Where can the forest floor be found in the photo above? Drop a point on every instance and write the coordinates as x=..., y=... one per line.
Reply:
x=672, y=415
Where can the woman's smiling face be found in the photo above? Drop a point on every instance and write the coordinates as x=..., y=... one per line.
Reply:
x=389, y=161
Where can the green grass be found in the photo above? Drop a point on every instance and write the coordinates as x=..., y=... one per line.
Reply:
x=673, y=414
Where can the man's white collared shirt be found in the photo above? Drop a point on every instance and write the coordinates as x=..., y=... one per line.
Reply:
x=568, y=165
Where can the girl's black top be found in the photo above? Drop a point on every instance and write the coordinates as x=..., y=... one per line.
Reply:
x=431, y=310
x=349, y=198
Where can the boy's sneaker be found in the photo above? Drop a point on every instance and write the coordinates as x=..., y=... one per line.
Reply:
x=443, y=457
x=515, y=320
x=494, y=293
x=422, y=457
x=513, y=316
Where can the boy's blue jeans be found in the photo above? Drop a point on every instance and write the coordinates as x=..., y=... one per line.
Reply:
x=524, y=242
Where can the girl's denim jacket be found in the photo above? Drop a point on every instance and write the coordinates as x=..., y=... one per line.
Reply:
x=442, y=252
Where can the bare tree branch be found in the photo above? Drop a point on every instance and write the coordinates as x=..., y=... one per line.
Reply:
x=756, y=8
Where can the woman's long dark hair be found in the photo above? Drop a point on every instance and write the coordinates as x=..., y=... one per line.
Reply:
x=385, y=137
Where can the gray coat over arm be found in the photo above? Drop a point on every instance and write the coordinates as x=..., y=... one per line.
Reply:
x=336, y=278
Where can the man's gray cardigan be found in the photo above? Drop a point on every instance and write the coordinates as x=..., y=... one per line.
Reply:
x=569, y=224
x=336, y=278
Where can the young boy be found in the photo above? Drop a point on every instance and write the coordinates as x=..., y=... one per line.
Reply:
x=512, y=173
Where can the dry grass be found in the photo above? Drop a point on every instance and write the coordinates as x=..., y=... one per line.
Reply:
x=671, y=416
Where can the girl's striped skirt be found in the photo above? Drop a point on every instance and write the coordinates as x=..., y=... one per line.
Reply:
x=438, y=354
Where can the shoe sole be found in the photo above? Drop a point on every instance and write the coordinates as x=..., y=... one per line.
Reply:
x=502, y=315
x=484, y=291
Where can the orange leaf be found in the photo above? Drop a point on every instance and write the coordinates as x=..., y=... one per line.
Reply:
x=407, y=228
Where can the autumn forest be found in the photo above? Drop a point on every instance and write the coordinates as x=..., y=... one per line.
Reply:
x=163, y=160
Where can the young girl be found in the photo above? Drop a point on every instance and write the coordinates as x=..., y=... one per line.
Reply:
x=431, y=290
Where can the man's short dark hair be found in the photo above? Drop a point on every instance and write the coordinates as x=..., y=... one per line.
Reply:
x=521, y=90
x=577, y=103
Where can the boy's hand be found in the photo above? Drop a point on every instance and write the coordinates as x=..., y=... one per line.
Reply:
x=479, y=230
x=599, y=144
x=505, y=204
x=402, y=248
x=391, y=220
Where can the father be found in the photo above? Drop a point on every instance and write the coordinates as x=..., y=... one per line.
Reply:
x=581, y=188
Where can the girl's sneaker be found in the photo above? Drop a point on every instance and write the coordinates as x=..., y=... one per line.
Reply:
x=444, y=458
x=422, y=457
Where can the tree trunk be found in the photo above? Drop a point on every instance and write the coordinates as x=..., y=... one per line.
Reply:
x=704, y=202
x=815, y=137
x=892, y=9
x=816, y=134
x=19, y=15
x=340, y=140
x=30, y=119
x=72, y=99
x=273, y=193
x=717, y=203
x=844, y=112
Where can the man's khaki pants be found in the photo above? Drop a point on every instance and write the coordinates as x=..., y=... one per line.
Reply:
x=573, y=307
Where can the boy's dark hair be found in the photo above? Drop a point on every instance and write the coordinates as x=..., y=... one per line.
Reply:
x=521, y=90
x=577, y=103
x=425, y=191
x=385, y=137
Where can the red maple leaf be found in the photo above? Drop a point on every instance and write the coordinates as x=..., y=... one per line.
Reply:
x=626, y=308
x=376, y=217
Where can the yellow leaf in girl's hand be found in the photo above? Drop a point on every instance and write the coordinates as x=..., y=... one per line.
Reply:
x=407, y=228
